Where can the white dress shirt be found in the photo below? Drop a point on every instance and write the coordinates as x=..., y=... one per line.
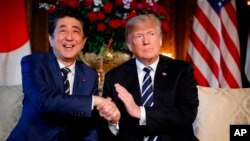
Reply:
x=141, y=74
x=71, y=75
x=114, y=128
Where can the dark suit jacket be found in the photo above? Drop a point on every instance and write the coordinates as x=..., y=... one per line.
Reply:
x=175, y=101
x=48, y=114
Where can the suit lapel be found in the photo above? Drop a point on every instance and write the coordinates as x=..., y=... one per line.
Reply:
x=79, y=79
x=161, y=81
x=54, y=68
x=132, y=81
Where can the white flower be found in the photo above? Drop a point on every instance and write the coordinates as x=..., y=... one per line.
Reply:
x=44, y=5
x=97, y=2
x=96, y=9
x=125, y=16
x=127, y=1
x=150, y=2
x=126, y=4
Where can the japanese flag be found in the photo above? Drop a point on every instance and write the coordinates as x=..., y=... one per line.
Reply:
x=14, y=40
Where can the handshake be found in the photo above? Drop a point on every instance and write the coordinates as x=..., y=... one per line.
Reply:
x=107, y=109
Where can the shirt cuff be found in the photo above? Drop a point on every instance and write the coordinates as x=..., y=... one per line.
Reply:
x=92, y=105
x=142, y=120
x=114, y=128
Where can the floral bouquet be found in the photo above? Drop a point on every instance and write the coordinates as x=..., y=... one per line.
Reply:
x=106, y=20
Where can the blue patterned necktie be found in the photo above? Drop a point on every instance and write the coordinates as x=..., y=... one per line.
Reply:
x=65, y=72
x=147, y=88
x=147, y=96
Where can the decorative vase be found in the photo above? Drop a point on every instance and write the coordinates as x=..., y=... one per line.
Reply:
x=104, y=63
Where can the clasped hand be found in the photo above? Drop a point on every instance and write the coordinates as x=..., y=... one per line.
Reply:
x=108, y=110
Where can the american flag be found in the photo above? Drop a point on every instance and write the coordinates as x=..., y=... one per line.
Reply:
x=247, y=63
x=214, y=44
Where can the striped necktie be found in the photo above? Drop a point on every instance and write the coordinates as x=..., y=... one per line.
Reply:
x=147, y=88
x=65, y=72
x=147, y=96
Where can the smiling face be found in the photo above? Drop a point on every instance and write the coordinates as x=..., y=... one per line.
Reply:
x=144, y=39
x=67, y=39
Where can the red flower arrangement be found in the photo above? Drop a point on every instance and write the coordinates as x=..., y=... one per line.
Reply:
x=106, y=20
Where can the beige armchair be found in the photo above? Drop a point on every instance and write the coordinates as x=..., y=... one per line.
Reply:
x=10, y=108
x=217, y=110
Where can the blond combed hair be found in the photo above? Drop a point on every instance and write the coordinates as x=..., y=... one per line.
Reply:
x=147, y=19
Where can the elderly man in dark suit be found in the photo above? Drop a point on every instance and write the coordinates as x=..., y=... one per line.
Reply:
x=156, y=95
x=60, y=106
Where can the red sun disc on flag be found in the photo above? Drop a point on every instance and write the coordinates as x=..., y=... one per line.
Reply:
x=13, y=25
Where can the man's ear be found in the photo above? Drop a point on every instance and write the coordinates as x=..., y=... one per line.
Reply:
x=161, y=42
x=50, y=40
x=129, y=47
x=128, y=44
x=84, y=41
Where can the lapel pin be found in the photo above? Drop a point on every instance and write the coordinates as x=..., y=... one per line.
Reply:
x=83, y=80
x=164, y=74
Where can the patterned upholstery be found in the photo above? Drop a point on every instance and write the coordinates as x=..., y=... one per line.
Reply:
x=218, y=109
x=10, y=108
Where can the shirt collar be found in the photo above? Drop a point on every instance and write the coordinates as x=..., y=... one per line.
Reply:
x=140, y=66
x=71, y=67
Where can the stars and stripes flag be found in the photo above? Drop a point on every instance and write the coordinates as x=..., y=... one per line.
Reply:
x=214, y=44
x=14, y=40
x=247, y=63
